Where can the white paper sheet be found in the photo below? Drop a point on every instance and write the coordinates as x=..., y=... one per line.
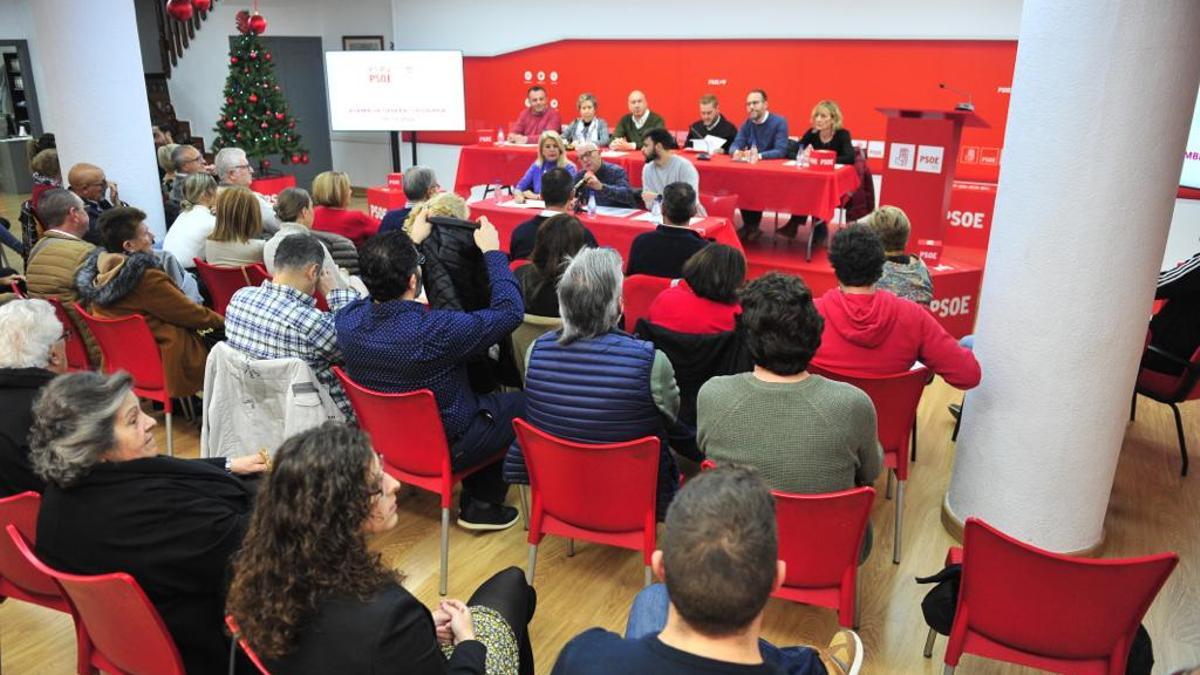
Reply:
x=529, y=204
x=649, y=218
x=708, y=144
x=615, y=211
x=613, y=153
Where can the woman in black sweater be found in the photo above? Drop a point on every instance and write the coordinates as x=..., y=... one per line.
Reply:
x=310, y=596
x=826, y=134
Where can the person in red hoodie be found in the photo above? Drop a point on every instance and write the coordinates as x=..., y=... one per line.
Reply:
x=874, y=332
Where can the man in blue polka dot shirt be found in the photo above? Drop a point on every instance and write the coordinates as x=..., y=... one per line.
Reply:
x=392, y=342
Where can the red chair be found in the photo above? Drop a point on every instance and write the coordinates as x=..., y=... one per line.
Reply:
x=820, y=538
x=236, y=633
x=223, y=282
x=1170, y=389
x=896, y=398
x=77, y=353
x=407, y=430
x=123, y=631
x=518, y=263
x=127, y=344
x=1021, y=604
x=640, y=290
x=720, y=206
x=565, y=479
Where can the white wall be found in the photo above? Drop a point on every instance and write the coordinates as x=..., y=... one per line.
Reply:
x=16, y=23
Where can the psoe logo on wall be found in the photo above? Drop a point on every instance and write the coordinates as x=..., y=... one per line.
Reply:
x=717, y=82
x=901, y=156
x=929, y=158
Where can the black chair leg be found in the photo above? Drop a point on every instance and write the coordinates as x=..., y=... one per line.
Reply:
x=958, y=422
x=1133, y=408
x=913, y=457
x=1183, y=453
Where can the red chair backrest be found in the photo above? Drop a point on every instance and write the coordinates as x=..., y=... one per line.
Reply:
x=257, y=273
x=223, y=282
x=77, y=353
x=405, y=427
x=607, y=487
x=896, y=398
x=1054, y=605
x=640, y=290
x=518, y=263
x=721, y=206
x=232, y=624
x=128, y=344
x=123, y=627
x=820, y=536
x=21, y=511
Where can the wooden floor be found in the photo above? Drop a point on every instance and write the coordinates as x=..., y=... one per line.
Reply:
x=1152, y=509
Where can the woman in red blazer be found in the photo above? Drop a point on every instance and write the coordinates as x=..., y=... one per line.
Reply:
x=331, y=192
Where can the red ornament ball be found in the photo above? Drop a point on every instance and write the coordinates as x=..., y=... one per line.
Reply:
x=229, y=99
x=253, y=55
x=233, y=60
x=292, y=124
x=267, y=56
x=202, y=5
x=266, y=164
x=279, y=116
x=295, y=159
x=180, y=10
x=304, y=158
x=253, y=98
x=257, y=24
x=242, y=19
x=276, y=136
x=264, y=125
x=229, y=124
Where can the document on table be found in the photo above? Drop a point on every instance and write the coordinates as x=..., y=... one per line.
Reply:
x=518, y=145
x=529, y=204
x=709, y=143
x=615, y=211
x=613, y=153
x=649, y=217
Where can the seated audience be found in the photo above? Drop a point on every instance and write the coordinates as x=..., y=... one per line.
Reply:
x=337, y=607
x=47, y=174
x=558, y=239
x=712, y=123
x=591, y=382
x=552, y=153
x=280, y=319
x=556, y=192
x=587, y=128
x=826, y=134
x=233, y=169
x=871, y=331
x=116, y=281
x=294, y=211
x=608, y=183
x=761, y=136
x=706, y=299
x=633, y=126
x=536, y=119
x=420, y=185
x=187, y=237
x=331, y=193
x=123, y=230
x=805, y=434
x=663, y=251
x=166, y=167
x=32, y=352
x=719, y=562
x=453, y=272
x=1175, y=328
x=112, y=504
x=664, y=167
x=234, y=240
x=187, y=161
x=161, y=137
x=391, y=342
x=904, y=274
x=97, y=192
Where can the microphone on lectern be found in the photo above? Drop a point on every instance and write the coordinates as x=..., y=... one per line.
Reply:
x=968, y=105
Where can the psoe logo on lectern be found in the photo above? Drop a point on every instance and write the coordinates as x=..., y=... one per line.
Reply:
x=929, y=158
x=900, y=156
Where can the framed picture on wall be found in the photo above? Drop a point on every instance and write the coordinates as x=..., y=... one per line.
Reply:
x=362, y=43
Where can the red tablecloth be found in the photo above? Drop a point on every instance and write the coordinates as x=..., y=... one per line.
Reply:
x=609, y=231
x=273, y=185
x=768, y=185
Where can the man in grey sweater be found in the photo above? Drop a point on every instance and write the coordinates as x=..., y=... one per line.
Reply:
x=805, y=434
x=664, y=167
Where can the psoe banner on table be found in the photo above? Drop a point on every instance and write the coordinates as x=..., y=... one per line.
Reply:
x=969, y=220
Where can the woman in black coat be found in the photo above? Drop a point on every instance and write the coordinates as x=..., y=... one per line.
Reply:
x=112, y=504
x=32, y=352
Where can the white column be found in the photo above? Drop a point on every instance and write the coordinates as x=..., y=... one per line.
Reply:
x=1102, y=100
x=95, y=85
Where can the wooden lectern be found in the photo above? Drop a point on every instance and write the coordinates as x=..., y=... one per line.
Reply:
x=918, y=167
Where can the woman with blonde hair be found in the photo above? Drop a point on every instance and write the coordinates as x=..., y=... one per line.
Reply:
x=233, y=241
x=903, y=274
x=186, y=238
x=827, y=133
x=331, y=193
x=552, y=152
x=444, y=204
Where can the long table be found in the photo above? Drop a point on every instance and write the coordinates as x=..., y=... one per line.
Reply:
x=618, y=233
x=769, y=185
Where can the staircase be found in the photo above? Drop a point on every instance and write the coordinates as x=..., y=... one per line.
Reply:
x=173, y=39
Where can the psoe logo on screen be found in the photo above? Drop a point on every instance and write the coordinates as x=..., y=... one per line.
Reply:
x=929, y=158
x=379, y=75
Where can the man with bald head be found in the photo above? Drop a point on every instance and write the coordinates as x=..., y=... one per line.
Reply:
x=98, y=195
x=634, y=124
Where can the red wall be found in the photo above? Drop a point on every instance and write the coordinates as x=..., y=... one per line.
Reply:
x=859, y=74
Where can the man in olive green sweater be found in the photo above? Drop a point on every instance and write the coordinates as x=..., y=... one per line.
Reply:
x=805, y=434
x=633, y=125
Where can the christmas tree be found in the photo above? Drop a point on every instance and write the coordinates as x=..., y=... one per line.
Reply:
x=255, y=115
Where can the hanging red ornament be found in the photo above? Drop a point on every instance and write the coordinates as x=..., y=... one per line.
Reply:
x=304, y=158
x=264, y=125
x=295, y=159
x=238, y=135
x=229, y=124
x=253, y=98
x=241, y=111
x=257, y=24
x=292, y=124
x=267, y=56
x=243, y=20
x=229, y=99
x=253, y=55
x=276, y=136
x=202, y=5
x=180, y=10
x=233, y=60
x=279, y=116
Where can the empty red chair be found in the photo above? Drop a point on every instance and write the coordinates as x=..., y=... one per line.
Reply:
x=639, y=291
x=127, y=344
x=720, y=206
x=223, y=282
x=236, y=633
x=407, y=430
x=1021, y=604
x=123, y=630
x=77, y=353
x=820, y=539
x=603, y=493
x=896, y=398
x=1170, y=389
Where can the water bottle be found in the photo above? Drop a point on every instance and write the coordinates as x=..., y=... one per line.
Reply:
x=801, y=160
x=656, y=211
x=499, y=135
x=591, y=207
x=753, y=153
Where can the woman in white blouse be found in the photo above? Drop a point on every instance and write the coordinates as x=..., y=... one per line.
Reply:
x=185, y=240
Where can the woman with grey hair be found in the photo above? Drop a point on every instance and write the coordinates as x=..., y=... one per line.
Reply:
x=591, y=382
x=112, y=504
x=32, y=352
x=587, y=127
